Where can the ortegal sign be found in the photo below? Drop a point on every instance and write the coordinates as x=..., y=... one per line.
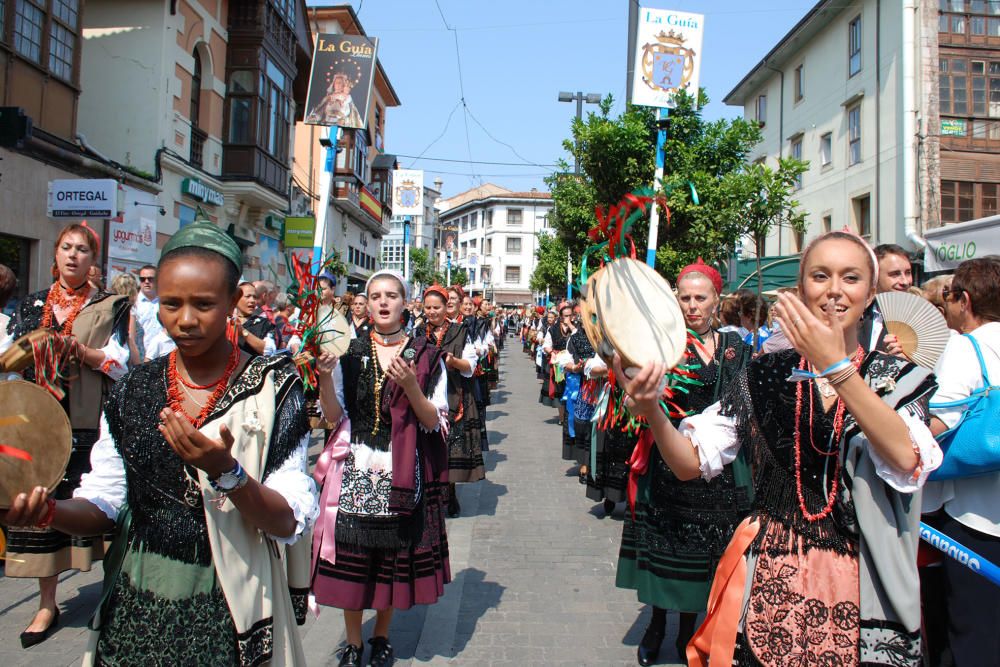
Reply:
x=82, y=198
x=198, y=190
x=667, y=56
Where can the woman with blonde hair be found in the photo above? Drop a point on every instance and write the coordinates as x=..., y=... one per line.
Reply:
x=824, y=568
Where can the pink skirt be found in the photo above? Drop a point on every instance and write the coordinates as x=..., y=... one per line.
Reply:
x=364, y=578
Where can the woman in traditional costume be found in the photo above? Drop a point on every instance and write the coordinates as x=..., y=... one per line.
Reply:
x=676, y=531
x=465, y=453
x=196, y=574
x=94, y=325
x=256, y=332
x=824, y=569
x=612, y=442
x=380, y=542
x=580, y=399
x=554, y=343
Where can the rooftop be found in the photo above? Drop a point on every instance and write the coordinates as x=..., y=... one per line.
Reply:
x=815, y=21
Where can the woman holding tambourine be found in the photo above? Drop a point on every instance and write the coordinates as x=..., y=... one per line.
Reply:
x=673, y=540
x=824, y=568
x=94, y=328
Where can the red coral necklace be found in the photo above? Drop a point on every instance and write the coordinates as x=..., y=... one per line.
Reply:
x=174, y=380
x=833, y=450
x=440, y=332
x=66, y=298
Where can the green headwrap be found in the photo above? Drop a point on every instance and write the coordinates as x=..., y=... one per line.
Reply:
x=204, y=234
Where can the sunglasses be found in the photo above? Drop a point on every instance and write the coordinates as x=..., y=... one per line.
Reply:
x=147, y=279
x=949, y=292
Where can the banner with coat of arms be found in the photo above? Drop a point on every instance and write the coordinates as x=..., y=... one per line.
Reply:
x=408, y=192
x=667, y=56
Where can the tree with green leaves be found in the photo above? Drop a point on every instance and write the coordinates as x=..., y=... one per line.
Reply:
x=617, y=155
x=422, y=270
x=550, y=270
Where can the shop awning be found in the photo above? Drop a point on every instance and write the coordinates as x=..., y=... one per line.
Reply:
x=778, y=271
x=950, y=245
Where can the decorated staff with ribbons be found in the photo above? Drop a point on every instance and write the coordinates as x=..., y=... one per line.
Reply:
x=380, y=541
x=677, y=530
x=85, y=350
x=200, y=468
x=465, y=453
x=825, y=564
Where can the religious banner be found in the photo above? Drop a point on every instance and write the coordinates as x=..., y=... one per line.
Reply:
x=340, y=85
x=667, y=56
x=408, y=192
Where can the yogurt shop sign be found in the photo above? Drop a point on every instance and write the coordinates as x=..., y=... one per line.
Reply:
x=81, y=198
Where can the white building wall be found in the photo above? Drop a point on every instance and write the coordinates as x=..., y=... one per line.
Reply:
x=828, y=91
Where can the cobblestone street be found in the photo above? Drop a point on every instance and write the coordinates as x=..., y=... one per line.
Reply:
x=533, y=563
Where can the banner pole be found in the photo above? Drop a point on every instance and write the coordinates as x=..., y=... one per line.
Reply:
x=328, y=140
x=654, y=212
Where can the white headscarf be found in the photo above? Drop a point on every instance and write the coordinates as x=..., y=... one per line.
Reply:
x=392, y=274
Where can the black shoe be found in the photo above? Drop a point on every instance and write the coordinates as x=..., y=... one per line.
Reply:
x=609, y=507
x=649, y=647
x=381, y=652
x=29, y=639
x=350, y=656
x=454, y=509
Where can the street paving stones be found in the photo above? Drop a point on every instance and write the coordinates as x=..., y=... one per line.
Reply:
x=533, y=565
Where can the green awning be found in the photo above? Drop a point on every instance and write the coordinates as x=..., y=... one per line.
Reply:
x=779, y=271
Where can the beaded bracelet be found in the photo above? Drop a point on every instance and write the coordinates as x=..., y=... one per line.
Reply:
x=50, y=514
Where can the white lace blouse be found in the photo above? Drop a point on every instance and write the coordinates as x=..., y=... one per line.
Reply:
x=714, y=436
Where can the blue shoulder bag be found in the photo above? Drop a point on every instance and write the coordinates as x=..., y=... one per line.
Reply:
x=972, y=447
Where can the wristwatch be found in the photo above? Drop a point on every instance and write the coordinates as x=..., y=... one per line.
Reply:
x=230, y=481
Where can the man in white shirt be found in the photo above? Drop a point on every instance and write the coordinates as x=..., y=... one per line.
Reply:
x=147, y=314
x=971, y=505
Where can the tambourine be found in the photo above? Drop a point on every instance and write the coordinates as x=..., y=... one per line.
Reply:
x=21, y=354
x=35, y=440
x=634, y=312
x=334, y=331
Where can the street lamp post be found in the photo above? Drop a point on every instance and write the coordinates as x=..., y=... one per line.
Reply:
x=579, y=98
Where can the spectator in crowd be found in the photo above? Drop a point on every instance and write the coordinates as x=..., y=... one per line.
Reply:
x=729, y=313
x=266, y=291
x=753, y=318
x=8, y=283
x=95, y=276
x=359, y=320
x=256, y=331
x=971, y=511
x=285, y=319
x=894, y=269
x=932, y=290
x=126, y=285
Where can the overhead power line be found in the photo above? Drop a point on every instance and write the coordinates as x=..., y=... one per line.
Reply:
x=496, y=164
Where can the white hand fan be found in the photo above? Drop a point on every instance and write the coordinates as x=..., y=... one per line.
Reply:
x=920, y=327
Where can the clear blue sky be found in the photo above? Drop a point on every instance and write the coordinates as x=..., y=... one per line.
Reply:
x=516, y=55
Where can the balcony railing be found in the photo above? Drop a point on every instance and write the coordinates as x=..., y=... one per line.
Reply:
x=198, y=137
